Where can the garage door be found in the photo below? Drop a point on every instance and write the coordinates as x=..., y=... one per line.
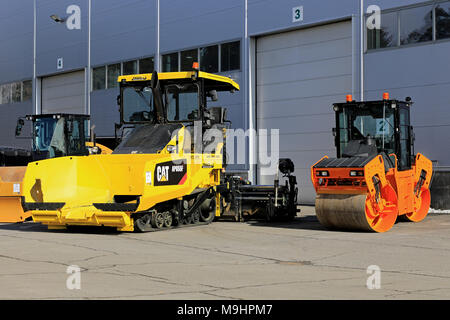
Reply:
x=299, y=75
x=64, y=93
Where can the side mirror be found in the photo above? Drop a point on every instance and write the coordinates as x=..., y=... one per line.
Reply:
x=19, y=126
x=213, y=95
x=334, y=132
x=119, y=100
x=92, y=134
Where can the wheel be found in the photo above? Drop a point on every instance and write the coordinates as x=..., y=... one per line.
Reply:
x=168, y=219
x=143, y=223
x=196, y=216
x=176, y=219
x=187, y=219
x=270, y=211
x=357, y=212
x=207, y=214
x=421, y=207
x=157, y=220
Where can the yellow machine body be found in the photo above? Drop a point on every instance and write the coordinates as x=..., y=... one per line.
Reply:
x=11, y=190
x=157, y=177
x=79, y=183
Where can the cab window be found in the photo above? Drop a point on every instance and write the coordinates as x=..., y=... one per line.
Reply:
x=182, y=102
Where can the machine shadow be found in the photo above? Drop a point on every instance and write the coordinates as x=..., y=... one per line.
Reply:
x=301, y=223
x=38, y=227
x=310, y=223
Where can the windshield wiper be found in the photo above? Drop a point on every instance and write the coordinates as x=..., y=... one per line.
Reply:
x=148, y=103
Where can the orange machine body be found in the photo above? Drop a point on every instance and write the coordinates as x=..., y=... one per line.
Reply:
x=390, y=193
x=11, y=194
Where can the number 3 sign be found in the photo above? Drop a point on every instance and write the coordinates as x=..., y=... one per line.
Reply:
x=297, y=14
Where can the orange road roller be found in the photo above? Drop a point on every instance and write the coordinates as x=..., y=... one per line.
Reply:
x=376, y=177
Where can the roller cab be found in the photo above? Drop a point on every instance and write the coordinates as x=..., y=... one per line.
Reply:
x=375, y=176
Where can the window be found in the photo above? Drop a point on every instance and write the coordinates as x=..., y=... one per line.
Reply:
x=130, y=67
x=386, y=36
x=99, y=75
x=443, y=21
x=43, y=129
x=182, y=102
x=358, y=124
x=411, y=25
x=230, y=58
x=27, y=89
x=76, y=141
x=113, y=74
x=5, y=93
x=170, y=62
x=416, y=25
x=188, y=57
x=137, y=104
x=16, y=92
x=146, y=65
x=209, y=59
x=405, y=146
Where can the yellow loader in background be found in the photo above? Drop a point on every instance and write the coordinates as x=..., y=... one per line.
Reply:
x=53, y=135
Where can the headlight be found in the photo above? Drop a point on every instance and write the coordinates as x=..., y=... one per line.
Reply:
x=171, y=148
x=356, y=173
x=322, y=173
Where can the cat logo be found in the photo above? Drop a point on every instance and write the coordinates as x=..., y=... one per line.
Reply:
x=170, y=173
x=162, y=173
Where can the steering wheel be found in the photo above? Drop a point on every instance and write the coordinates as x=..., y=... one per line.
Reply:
x=146, y=115
x=141, y=116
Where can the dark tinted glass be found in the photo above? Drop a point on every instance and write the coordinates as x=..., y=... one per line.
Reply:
x=209, y=59
x=146, y=65
x=27, y=90
x=99, y=78
x=187, y=58
x=170, y=62
x=113, y=74
x=130, y=67
x=416, y=25
x=230, y=56
x=387, y=35
x=16, y=91
x=443, y=21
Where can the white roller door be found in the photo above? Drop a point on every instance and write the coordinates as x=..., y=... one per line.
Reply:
x=64, y=93
x=299, y=75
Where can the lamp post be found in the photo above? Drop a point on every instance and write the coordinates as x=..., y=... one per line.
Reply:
x=361, y=56
x=88, y=82
x=157, y=59
x=34, y=85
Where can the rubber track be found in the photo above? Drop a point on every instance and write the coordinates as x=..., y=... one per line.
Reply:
x=179, y=226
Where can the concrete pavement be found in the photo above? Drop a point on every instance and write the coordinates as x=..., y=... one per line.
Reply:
x=227, y=260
